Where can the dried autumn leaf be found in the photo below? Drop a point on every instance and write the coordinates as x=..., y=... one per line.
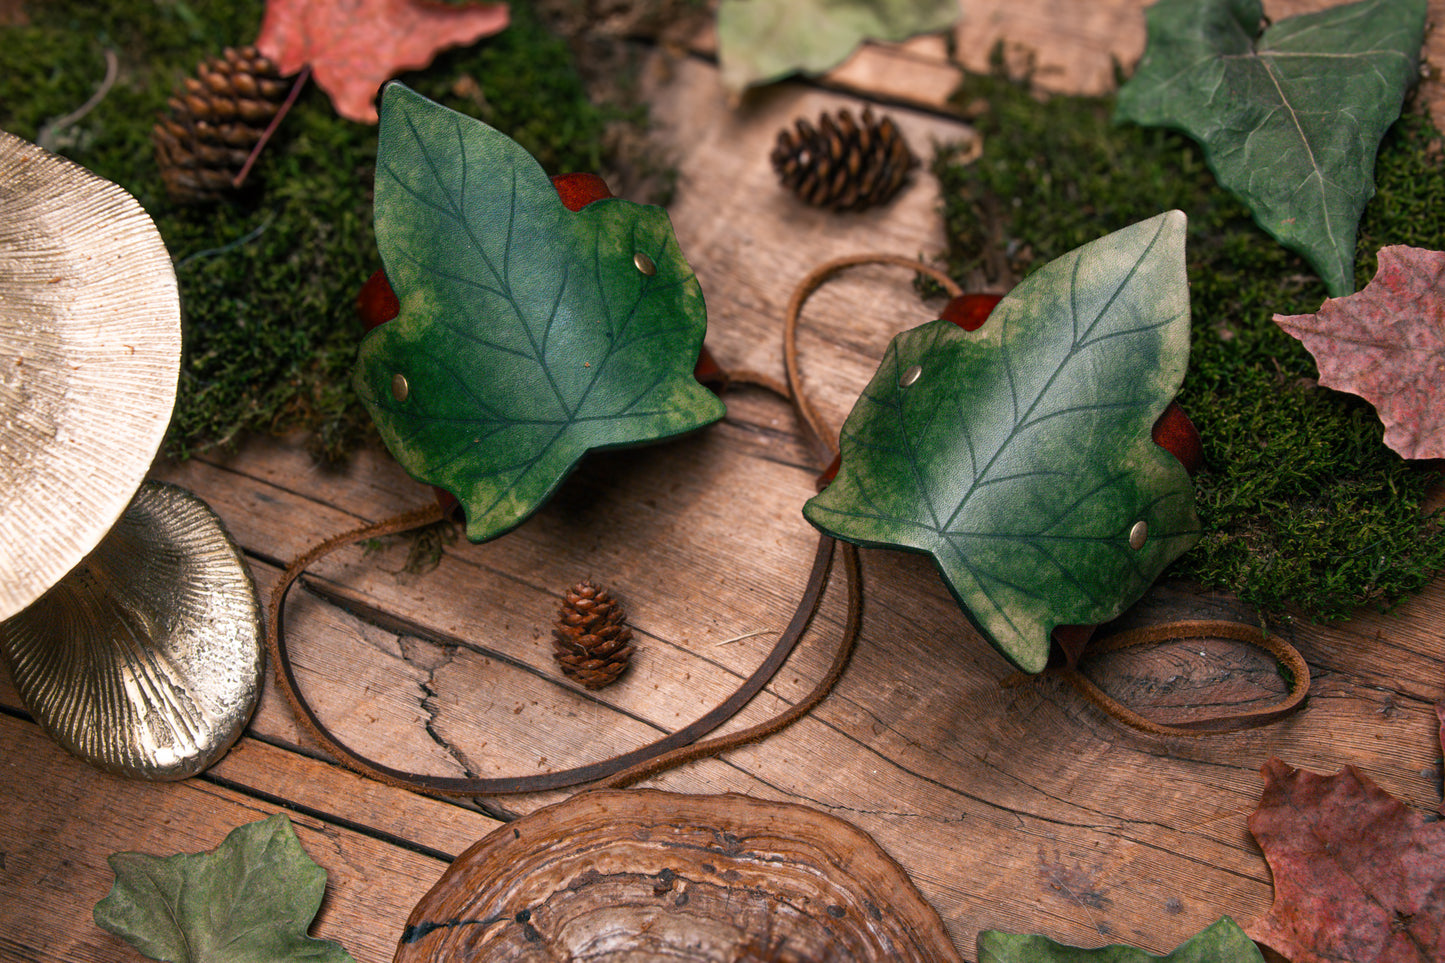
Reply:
x=1289, y=115
x=763, y=40
x=249, y=900
x=1387, y=345
x=354, y=47
x=1222, y=942
x=1357, y=876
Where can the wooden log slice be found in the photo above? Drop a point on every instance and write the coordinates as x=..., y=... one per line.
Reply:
x=648, y=875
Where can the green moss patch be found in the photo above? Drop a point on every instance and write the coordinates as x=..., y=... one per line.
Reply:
x=1301, y=502
x=268, y=281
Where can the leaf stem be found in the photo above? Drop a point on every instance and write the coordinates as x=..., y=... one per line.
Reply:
x=49, y=132
x=240, y=177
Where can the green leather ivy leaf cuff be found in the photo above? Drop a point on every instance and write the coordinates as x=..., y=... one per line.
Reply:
x=529, y=334
x=1019, y=455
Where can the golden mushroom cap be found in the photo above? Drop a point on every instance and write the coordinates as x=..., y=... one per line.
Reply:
x=90, y=347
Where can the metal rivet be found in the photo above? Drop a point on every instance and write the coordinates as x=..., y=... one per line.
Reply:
x=1138, y=534
x=911, y=375
x=644, y=264
x=399, y=387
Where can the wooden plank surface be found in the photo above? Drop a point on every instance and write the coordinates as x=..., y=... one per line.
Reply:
x=59, y=829
x=1013, y=806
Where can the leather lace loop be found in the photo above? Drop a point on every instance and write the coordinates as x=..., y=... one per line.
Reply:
x=1287, y=656
x=672, y=750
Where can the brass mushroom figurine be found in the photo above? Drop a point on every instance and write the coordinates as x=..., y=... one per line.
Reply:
x=627, y=875
x=127, y=616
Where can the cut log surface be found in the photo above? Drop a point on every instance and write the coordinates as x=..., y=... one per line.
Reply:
x=1013, y=804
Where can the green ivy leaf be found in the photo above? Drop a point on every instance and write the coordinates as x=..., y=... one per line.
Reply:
x=249, y=900
x=1289, y=118
x=763, y=40
x=1020, y=458
x=528, y=333
x=1222, y=942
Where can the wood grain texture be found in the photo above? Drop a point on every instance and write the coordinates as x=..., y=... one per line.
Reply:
x=1013, y=804
x=59, y=830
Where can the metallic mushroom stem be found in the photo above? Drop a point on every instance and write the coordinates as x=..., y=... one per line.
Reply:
x=145, y=660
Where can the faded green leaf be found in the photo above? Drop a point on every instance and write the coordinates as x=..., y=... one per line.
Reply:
x=1290, y=117
x=249, y=900
x=1021, y=457
x=1222, y=942
x=528, y=335
x=763, y=40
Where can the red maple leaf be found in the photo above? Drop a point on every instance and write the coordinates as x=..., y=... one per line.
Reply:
x=1357, y=876
x=354, y=46
x=1387, y=345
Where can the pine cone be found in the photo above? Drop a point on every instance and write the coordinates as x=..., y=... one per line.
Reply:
x=214, y=122
x=841, y=164
x=593, y=642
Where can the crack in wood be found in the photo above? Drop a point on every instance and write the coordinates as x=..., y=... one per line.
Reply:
x=431, y=708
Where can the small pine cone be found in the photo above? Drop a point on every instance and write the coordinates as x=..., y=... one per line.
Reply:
x=593, y=644
x=214, y=122
x=841, y=164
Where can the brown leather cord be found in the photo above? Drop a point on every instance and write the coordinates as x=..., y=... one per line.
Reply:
x=758, y=380
x=505, y=785
x=648, y=760
x=804, y=290
x=823, y=439
x=782, y=720
x=1287, y=655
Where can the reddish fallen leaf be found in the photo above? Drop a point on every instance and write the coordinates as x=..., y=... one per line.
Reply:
x=12, y=13
x=354, y=46
x=1440, y=715
x=1387, y=345
x=1357, y=876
